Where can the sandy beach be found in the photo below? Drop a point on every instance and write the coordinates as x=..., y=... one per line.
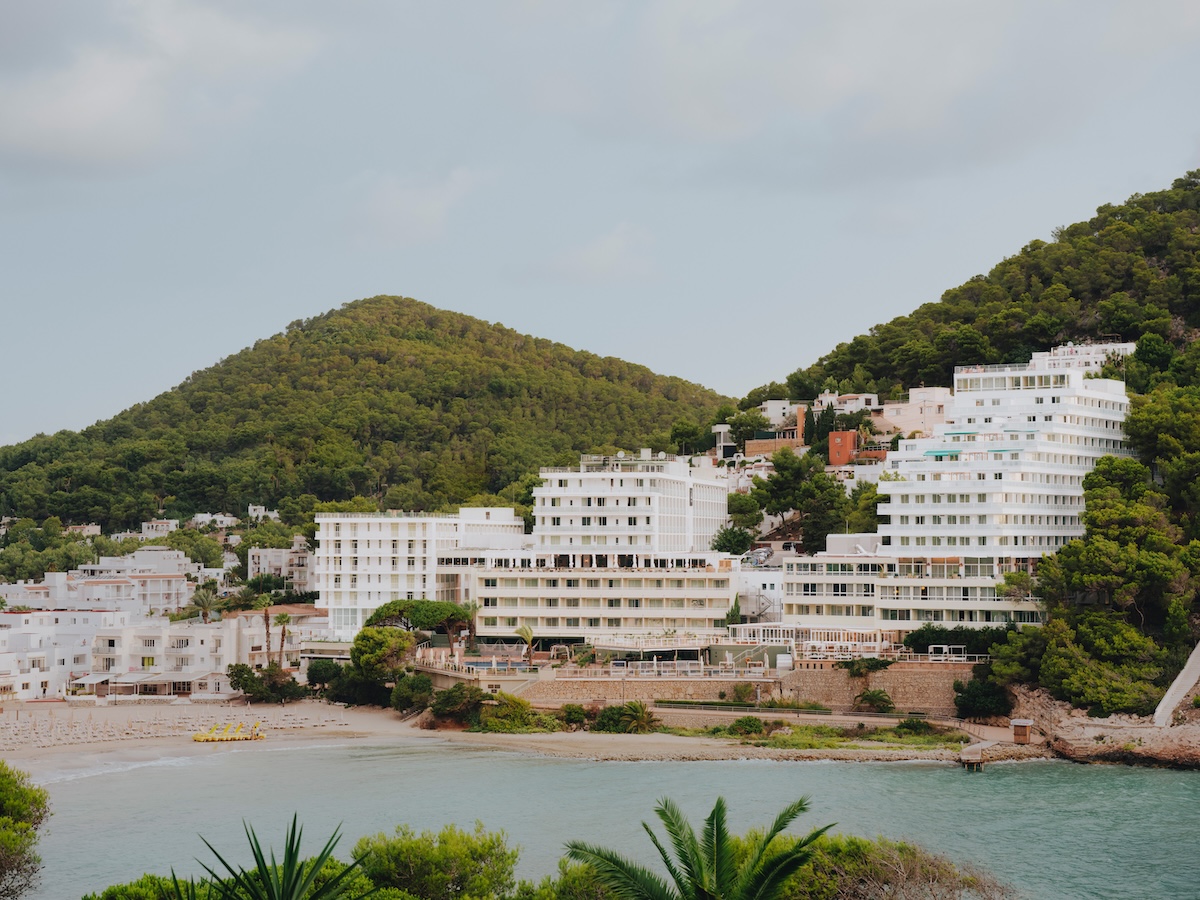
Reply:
x=44, y=737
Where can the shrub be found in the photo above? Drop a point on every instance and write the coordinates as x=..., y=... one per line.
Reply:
x=981, y=699
x=914, y=726
x=747, y=725
x=508, y=714
x=609, y=720
x=742, y=693
x=460, y=703
x=412, y=692
x=863, y=666
x=573, y=714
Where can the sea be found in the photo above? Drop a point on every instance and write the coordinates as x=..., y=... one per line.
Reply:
x=1052, y=829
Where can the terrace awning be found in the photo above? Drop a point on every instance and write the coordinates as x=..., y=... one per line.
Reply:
x=93, y=679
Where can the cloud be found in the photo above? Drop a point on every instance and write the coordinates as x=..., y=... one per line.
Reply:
x=822, y=94
x=150, y=82
x=397, y=210
x=621, y=254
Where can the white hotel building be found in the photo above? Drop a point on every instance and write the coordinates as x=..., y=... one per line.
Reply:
x=999, y=485
x=620, y=547
x=620, y=552
x=364, y=560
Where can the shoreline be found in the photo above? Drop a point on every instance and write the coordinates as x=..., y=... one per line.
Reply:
x=60, y=742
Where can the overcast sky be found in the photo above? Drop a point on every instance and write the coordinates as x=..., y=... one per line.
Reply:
x=720, y=191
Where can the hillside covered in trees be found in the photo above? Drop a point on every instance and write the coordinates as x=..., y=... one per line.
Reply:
x=385, y=398
x=1133, y=269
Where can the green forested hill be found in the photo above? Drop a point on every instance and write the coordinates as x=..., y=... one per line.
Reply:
x=386, y=398
x=1131, y=270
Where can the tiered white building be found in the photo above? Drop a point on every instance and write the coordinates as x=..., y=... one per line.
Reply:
x=999, y=485
x=620, y=547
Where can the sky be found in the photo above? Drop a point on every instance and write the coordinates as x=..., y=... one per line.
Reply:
x=719, y=191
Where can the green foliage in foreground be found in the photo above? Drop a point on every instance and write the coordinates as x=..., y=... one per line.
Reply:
x=707, y=865
x=479, y=865
x=24, y=809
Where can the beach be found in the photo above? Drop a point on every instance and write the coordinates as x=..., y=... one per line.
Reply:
x=55, y=737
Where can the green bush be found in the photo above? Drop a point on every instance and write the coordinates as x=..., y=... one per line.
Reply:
x=609, y=720
x=413, y=691
x=863, y=666
x=743, y=693
x=979, y=698
x=747, y=725
x=573, y=714
x=914, y=726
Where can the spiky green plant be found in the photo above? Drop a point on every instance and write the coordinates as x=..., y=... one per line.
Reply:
x=290, y=879
x=703, y=867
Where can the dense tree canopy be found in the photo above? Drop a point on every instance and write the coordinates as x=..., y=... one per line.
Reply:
x=1131, y=272
x=385, y=398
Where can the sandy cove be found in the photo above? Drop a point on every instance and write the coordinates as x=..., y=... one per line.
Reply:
x=53, y=737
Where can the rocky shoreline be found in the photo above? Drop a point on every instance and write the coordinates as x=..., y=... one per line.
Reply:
x=1122, y=739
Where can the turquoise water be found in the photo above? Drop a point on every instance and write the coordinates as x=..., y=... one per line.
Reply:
x=1055, y=829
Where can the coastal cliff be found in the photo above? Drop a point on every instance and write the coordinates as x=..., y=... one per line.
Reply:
x=1134, y=740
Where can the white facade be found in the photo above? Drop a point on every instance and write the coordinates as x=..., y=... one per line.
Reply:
x=630, y=506
x=924, y=408
x=594, y=598
x=364, y=560
x=293, y=564
x=999, y=485
x=42, y=650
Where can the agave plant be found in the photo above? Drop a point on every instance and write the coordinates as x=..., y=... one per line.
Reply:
x=704, y=867
x=290, y=879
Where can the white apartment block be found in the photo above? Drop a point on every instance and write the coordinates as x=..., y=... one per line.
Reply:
x=143, y=593
x=620, y=553
x=601, y=598
x=364, y=560
x=631, y=507
x=998, y=485
x=157, y=657
x=41, y=650
x=293, y=564
x=921, y=411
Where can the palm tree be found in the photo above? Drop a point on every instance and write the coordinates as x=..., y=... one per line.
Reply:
x=283, y=620
x=525, y=633
x=637, y=718
x=205, y=601
x=876, y=699
x=264, y=603
x=704, y=867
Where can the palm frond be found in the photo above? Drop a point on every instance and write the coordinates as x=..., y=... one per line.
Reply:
x=625, y=879
x=765, y=882
x=687, y=847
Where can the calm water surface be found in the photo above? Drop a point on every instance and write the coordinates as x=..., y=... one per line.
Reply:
x=1055, y=829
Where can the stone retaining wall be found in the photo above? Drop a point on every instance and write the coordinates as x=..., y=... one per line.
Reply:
x=913, y=687
x=619, y=690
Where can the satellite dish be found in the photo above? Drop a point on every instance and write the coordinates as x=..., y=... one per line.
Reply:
x=620, y=454
x=662, y=454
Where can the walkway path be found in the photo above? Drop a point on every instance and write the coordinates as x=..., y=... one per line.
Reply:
x=1183, y=683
